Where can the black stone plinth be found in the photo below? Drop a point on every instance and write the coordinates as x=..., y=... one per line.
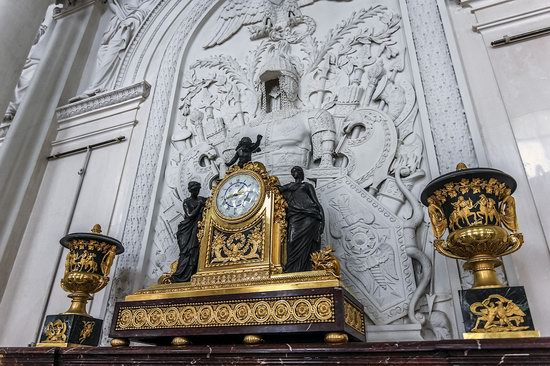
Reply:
x=496, y=313
x=70, y=330
x=278, y=316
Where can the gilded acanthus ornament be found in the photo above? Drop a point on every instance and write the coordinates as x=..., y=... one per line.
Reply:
x=325, y=260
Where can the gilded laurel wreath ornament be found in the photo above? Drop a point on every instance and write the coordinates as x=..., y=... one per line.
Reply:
x=477, y=209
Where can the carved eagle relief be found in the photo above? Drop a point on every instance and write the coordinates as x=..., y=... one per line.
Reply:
x=236, y=14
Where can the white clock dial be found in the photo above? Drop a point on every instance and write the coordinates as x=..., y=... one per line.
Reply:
x=238, y=195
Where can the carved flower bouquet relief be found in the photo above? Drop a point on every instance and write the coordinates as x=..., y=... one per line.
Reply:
x=477, y=208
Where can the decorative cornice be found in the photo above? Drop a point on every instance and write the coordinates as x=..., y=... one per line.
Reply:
x=69, y=7
x=476, y=5
x=139, y=90
x=511, y=19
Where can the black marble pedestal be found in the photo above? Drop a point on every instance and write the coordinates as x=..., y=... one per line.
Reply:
x=70, y=330
x=501, y=312
x=286, y=316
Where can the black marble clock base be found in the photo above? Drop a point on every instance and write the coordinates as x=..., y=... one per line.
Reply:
x=70, y=330
x=501, y=312
x=300, y=315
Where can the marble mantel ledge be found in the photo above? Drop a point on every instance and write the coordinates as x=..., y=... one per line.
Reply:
x=528, y=351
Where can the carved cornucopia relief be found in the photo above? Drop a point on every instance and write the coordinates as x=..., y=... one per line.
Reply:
x=336, y=99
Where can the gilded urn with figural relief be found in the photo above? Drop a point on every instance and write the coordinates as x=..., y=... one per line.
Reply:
x=87, y=268
x=477, y=209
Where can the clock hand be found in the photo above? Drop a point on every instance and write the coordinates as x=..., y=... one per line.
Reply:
x=239, y=192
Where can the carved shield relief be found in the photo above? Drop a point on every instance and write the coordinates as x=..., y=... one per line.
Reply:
x=369, y=242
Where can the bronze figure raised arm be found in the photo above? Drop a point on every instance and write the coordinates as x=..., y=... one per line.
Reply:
x=244, y=151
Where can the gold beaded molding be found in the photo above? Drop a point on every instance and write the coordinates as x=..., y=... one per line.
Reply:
x=277, y=310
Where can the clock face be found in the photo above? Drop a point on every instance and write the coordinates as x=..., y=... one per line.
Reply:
x=238, y=195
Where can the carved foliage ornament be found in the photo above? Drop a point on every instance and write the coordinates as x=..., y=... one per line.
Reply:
x=343, y=103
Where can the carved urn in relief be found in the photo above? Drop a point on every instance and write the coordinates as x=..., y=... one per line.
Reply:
x=477, y=208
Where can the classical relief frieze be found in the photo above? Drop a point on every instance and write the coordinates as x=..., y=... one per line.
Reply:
x=346, y=92
x=339, y=102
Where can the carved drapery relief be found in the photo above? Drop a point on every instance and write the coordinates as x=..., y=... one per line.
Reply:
x=344, y=108
x=128, y=15
x=27, y=74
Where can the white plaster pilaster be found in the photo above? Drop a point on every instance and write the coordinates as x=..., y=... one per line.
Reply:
x=22, y=159
x=449, y=125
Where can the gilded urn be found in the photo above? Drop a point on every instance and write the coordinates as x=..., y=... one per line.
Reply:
x=477, y=209
x=87, y=266
x=87, y=270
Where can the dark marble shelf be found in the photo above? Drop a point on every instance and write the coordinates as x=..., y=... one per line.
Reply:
x=532, y=351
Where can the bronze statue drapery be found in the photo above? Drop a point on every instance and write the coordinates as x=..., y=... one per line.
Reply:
x=305, y=222
x=188, y=240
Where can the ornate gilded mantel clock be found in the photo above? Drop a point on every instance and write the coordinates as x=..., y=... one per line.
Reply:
x=240, y=288
x=244, y=226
